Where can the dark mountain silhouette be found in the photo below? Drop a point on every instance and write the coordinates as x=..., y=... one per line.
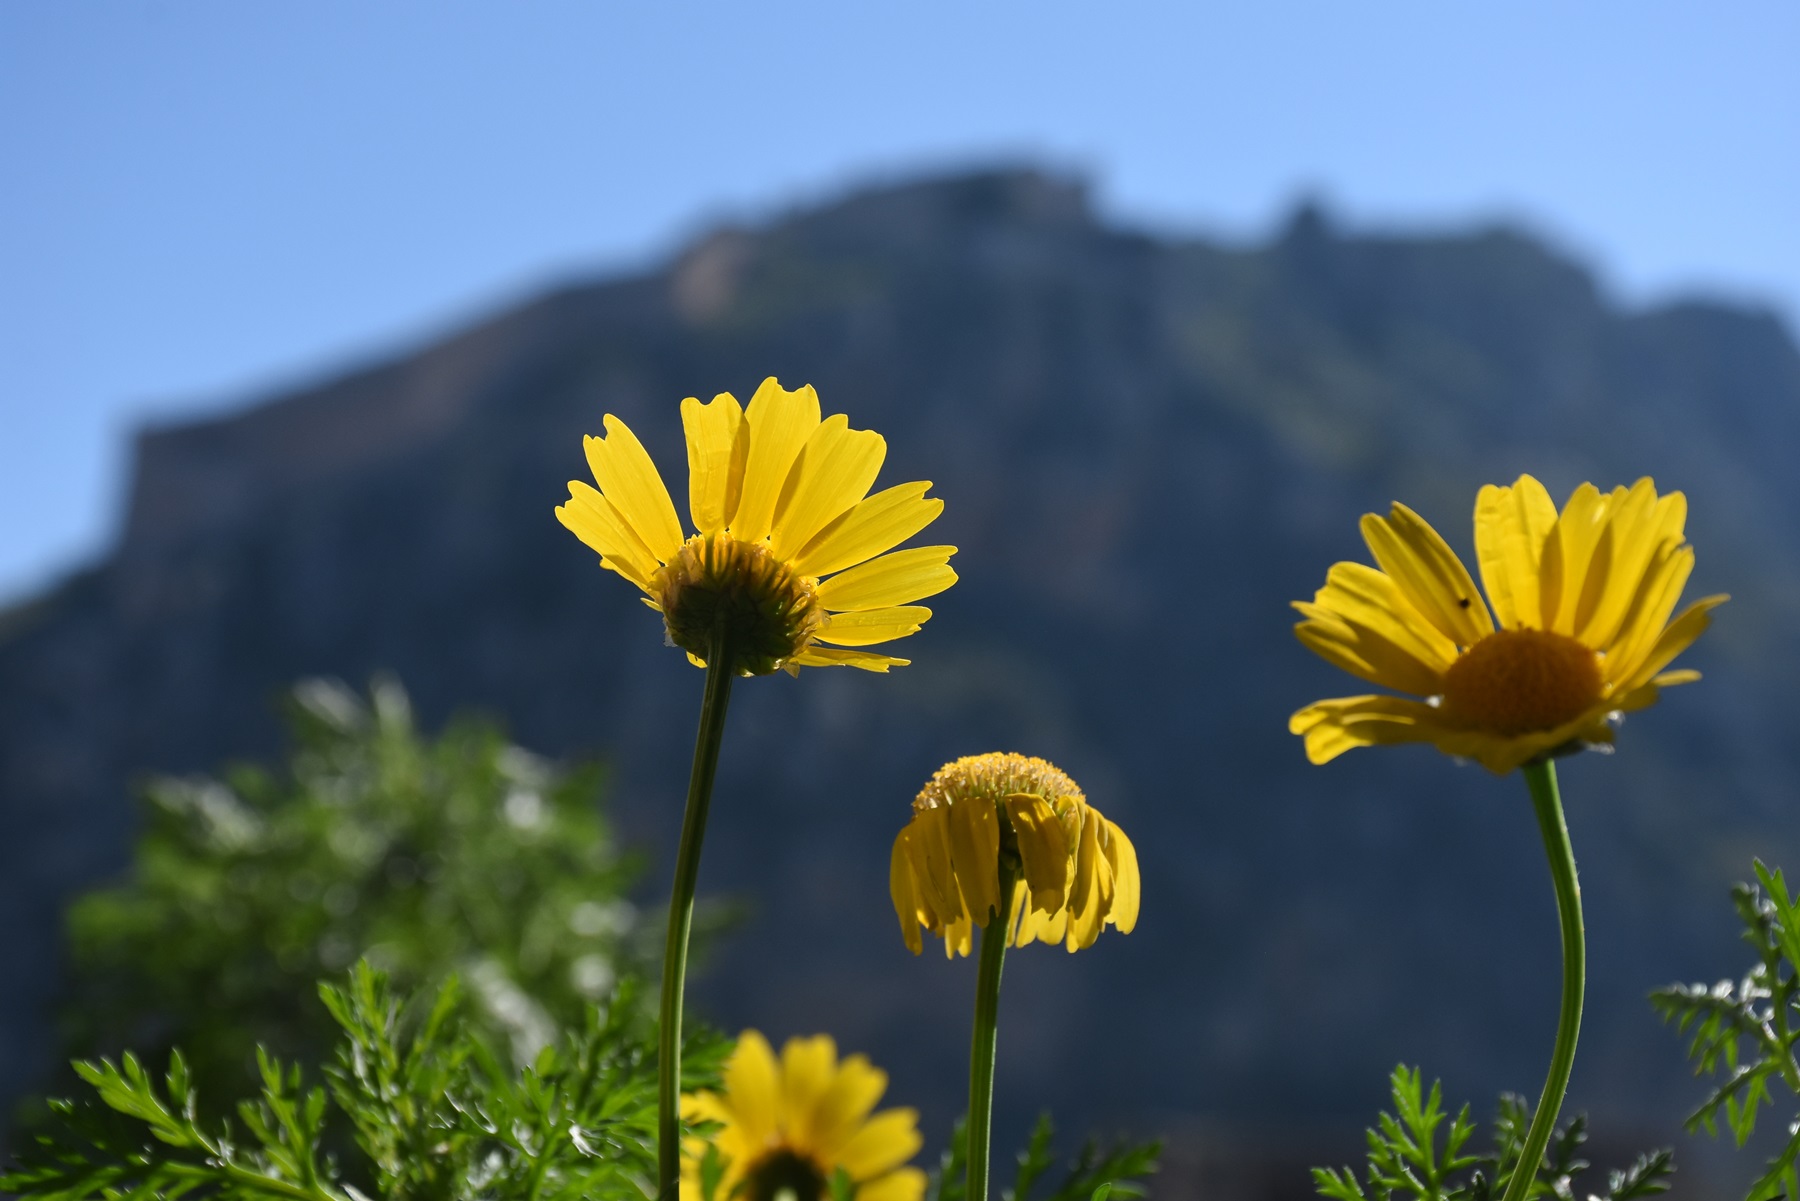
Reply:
x=1148, y=446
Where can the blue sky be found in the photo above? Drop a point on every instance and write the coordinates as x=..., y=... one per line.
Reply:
x=199, y=200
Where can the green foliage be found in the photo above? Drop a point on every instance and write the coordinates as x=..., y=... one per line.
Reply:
x=461, y=854
x=433, y=1113
x=1414, y=1155
x=1095, y=1174
x=1744, y=1032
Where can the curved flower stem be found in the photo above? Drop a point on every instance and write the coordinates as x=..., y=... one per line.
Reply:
x=1547, y=802
x=981, y=1049
x=720, y=669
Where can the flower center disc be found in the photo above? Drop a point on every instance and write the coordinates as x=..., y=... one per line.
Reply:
x=784, y=1175
x=1522, y=681
x=991, y=777
x=717, y=582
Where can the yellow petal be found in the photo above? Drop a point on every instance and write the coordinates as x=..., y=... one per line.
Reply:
x=1362, y=652
x=1501, y=753
x=975, y=853
x=907, y=1184
x=906, y=899
x=807, y=1066
x=929, y=844
x=1035, y=925
x=1677, y=637
x=718, y=443
x=1365, y=597
x=1568, y=552
x=877, y=524
x=894, y=579
x=780, y=423
x=1020, y=913
x=1122, y=857
x=1511, y=526
x=1428, y=573
x=704, y=1106
x=628, y=479
x=628, y=572
x=1645, y=695
x=958, y=937
x=1635, y=530
x=1335, y=726
x=1641, y=697
x=1043, y=849
x=873, y=625
x=1081, y=871
x=845, y=1103
x=752, y=1087
x=1648, y=614
x=886, y=1141
x=907, y=846
x=831, y=656
x=592, y=518
x=1085, y=925
x=835, y=470
x=1091, y=893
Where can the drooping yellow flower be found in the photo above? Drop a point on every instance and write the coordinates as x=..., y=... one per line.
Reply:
x=780, y=502
x=1580, y=628
x=999, y=816
x=787, y=1127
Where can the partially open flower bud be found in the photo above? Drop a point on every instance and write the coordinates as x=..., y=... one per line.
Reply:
x=1005, y=826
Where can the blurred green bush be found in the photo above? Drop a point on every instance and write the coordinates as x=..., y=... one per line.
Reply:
x=462, y=854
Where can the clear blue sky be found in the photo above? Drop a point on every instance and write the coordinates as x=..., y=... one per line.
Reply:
x=204, y=198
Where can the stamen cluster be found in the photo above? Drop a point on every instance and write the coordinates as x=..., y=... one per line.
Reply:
x=1520, y=681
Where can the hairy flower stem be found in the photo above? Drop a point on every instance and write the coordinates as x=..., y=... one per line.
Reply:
x=1540, y=777
x=721, y=667
x=981, y=1048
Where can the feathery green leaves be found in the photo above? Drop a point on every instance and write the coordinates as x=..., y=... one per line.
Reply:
x=434, y=1114
x=1096, y=1173
x=1414, y=1156
x=1744, y=1032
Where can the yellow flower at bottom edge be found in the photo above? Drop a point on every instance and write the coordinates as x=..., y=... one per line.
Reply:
x=780, y=502
x=787, y=1127
x=1579, y=632
x=1075, y=872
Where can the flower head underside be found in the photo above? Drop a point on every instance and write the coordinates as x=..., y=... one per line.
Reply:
x=1579, y=628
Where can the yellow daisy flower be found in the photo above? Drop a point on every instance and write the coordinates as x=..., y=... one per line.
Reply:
x=999, y=816
x=786, y=1128
x=790, y=557
x=1579, y=630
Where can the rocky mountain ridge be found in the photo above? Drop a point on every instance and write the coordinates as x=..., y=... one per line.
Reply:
x=1148, y=446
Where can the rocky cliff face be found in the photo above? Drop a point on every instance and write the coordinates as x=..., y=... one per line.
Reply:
x=1148, y=447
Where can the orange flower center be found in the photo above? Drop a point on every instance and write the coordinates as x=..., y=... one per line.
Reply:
x=1522, y=681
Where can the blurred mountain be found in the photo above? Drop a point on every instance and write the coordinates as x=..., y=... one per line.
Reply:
x=1148, y=446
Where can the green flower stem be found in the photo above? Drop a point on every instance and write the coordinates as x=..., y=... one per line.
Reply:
x=720, y=669
x=1540, y=777
x=981, y=1048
